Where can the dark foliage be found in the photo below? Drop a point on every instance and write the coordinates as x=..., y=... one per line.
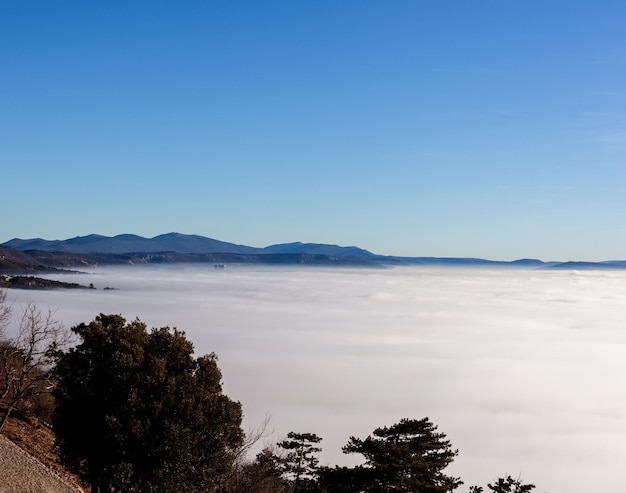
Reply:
x=299, y=462
x=136, y=412
x=345, y=479
x=409, y=456
x=505, y=485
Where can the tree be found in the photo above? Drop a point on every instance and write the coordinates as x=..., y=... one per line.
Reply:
x=345, y=479
x=408, y=456
x=136, y=412
x=27, y=357
x=299, y=463
x=262, y=475
x=5, y=312
x=505, y=485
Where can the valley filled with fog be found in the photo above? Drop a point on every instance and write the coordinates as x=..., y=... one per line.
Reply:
x=522, y=369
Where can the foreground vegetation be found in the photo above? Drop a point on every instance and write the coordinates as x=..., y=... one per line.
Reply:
x=134, y=411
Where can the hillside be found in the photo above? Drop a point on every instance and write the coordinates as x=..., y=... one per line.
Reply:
x=29, y=462
x=17, y=263
x=30, y=262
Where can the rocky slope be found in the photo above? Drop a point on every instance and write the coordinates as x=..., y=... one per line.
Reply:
x=28, y=462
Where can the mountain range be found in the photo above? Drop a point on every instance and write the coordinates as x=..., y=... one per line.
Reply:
x=174, y=242
x=92, y=250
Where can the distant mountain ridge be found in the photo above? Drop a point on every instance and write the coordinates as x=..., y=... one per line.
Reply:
x=129, y=243
x=96, y=249
x=321, y=249
x=179, y=243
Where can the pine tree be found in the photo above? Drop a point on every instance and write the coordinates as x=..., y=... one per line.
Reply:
x=299, y=464
x=408, y=456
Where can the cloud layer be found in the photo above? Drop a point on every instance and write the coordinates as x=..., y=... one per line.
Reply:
x=521, y=369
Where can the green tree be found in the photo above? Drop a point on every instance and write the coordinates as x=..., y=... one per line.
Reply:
x=299, y=463
x=137, y=412
x=408, y=456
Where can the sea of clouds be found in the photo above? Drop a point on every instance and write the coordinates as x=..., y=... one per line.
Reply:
x=522, y=369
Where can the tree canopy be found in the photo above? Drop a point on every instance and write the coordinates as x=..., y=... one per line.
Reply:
x=505, y=485
x=407, y=456
x=299, y=463
x=137, y=412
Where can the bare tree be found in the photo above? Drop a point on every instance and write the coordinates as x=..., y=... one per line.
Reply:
x=27, y=357
x=5, y=312
x=250, y=474
x=253, y=436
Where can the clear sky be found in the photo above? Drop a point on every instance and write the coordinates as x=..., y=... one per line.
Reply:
x=487, y=128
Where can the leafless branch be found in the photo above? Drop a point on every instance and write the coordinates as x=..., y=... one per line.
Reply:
x=5, y=313
x=27, y=357
x=253, y=436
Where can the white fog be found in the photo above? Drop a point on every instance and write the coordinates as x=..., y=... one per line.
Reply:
x=522, y=369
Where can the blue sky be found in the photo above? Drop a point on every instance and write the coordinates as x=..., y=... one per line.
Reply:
x=487, y=128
